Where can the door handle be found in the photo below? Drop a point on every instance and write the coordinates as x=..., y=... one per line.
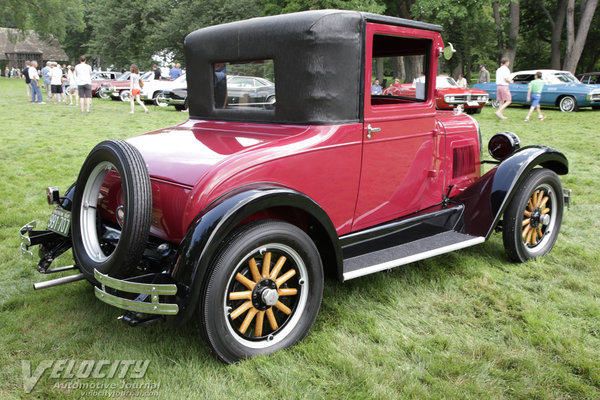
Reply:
x=371, y=130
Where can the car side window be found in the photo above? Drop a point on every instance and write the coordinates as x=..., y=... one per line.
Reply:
x=399, y=70
x=523, y=79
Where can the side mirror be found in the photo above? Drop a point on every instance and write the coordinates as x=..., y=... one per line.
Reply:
x=449, y=51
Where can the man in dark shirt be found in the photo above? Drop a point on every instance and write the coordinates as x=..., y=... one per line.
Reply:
x=25, y=73
x=156, y=71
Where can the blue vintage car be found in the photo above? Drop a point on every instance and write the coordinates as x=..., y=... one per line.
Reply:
x=562, y=90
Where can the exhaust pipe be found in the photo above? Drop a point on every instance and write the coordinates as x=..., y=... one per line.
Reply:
x=58, y=281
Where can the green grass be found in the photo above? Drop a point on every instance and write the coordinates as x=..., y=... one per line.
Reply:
x=467, y=325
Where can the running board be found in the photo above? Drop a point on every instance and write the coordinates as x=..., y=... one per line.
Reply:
x=406, y=253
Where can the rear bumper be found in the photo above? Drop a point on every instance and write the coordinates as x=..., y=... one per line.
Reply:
x=148, y=293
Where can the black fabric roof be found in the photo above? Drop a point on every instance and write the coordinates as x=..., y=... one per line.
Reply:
x=318, y=58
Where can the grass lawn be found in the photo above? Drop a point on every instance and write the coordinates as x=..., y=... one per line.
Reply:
x=469, y=324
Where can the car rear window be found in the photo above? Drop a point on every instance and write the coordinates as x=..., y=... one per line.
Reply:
x=244, y=85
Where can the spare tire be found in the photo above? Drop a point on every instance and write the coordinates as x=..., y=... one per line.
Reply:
x=97, y=245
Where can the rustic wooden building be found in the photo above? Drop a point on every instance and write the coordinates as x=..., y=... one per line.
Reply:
x=16, y=48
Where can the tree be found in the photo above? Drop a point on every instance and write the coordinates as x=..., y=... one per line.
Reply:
x=274, y=7
x=508, y=34
x=467, y=25
x=121, y=31
x=576, y=40
x=46, y=17
x=556, y=24
x=185, y=16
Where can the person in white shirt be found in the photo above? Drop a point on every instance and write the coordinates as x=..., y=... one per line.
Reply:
x=135, y=88
x=462, y=82
x=83, y=75
x=502, y=89
x=72, y=85
x=55, y=81
x=36, y=91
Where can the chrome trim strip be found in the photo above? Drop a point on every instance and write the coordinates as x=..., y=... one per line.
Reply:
x=135, y=287
x=138, y=306
x=415, y=257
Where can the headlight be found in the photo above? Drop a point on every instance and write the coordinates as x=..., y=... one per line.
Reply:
x=503, y=144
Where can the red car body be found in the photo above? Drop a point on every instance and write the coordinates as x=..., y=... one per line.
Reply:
x=448, y=95
x=330, y=179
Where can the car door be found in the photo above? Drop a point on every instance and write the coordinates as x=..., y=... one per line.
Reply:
x=518, y=89
x=402, y=165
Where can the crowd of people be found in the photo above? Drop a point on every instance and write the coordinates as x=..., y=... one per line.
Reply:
x=62, y=81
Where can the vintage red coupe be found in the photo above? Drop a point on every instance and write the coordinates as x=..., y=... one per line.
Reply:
x=448, y=94
x=235, y=216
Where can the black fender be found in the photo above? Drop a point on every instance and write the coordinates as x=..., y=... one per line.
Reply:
x=486, y=200
x=208, y=231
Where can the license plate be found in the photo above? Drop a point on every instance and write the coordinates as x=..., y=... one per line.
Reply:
x=60, y=221
x=472, y=103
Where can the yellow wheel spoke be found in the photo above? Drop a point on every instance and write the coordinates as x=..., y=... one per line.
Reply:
x=544, y=201
x=240, y=310
x=526, y=230
x=240, y=295
x=539, y=232
x=533, y=236
x=540, y=198
x=283, y=278
x=534, y=199
x=545, y=210
x=266, y=265
x=283, y=308
x=245, y=281
x=530, y=206
x=277, y=267
x=526, y=221
x=260, y=317
x=271, y=319
x=248, y=320
x=528, y=214
x=254, y=270
x=287, y=292
x=528, y=239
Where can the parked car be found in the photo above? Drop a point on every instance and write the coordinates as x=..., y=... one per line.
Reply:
x=101, y=79
x=175, y=97
x=153, y=87
x=448, y=94
x=119, y=89
x=250, y=91
x=242, y=92
x=562, y=90
x=590, y=78
x=236, y=215
x=105, y=75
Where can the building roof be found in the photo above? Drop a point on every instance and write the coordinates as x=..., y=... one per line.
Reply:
x=13, y=41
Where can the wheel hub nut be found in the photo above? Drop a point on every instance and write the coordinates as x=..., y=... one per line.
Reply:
x=265, y=294
x=535, y=218
x=270, y=297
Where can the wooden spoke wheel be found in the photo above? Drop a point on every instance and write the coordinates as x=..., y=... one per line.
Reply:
x=267, y=284
x=533, y=218
x=264, y=291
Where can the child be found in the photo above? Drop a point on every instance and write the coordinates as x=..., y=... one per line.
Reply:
x=534, y=93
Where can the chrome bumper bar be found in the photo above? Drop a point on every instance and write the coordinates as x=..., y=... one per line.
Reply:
x=144, y=291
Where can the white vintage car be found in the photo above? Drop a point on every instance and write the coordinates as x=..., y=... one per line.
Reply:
x=152, y=88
